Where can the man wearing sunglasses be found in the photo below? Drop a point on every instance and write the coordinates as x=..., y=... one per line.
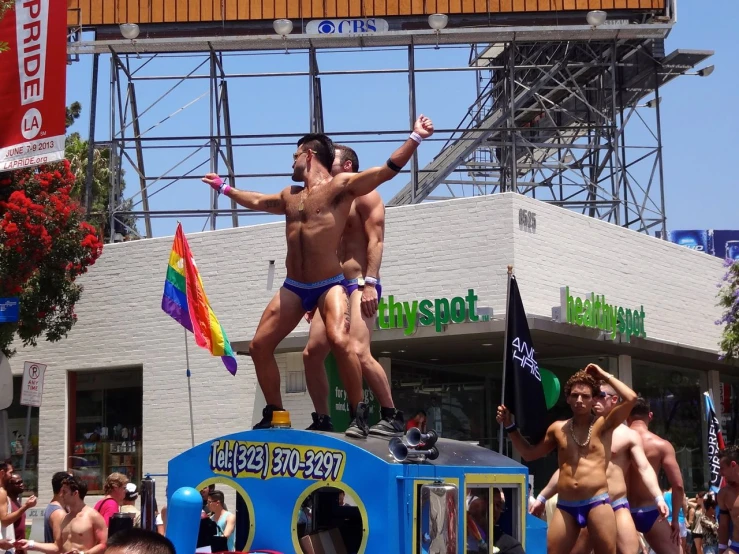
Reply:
x=11, y=514
x=628, y=463
x=315, y=214
x=583, y=444
x=360, y=253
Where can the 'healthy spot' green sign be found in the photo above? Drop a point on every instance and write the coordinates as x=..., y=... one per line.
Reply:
x=440, y=311
x=593, y=311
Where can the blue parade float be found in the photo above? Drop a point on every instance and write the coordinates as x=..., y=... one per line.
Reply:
x=409, y=496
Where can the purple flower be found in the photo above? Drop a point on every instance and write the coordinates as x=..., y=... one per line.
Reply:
x=722, y=357
x=728, y=262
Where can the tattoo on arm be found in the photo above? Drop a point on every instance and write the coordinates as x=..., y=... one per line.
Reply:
x=272, y=203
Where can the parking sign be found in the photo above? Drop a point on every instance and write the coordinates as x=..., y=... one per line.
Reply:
x=33, y=384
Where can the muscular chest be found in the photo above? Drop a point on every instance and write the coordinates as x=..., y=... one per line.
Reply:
x=78, y=527
x=309, y=207
x=620, y=452
x=573, y=448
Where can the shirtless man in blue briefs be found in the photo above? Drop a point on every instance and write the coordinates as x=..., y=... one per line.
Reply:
x=584, y=449
x=628, y=462
x=728, y=501
x=662, y=537
x=360, y=253
x=315, y=215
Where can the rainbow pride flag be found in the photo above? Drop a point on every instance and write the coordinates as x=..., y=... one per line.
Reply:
x=186, y=302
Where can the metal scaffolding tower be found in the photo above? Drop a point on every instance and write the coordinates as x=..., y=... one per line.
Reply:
x=556, y=116
x=552, y=121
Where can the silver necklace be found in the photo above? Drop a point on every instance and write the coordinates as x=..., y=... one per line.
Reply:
x=574, y=438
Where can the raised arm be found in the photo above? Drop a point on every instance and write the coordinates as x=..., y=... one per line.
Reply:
x=647, y=473
x=359, y=184
x=257, y=201
x=628, y=397
x=528, y=451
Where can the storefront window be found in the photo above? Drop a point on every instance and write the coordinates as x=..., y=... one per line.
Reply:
x=674, y=395
x=105, y=425
x=453, y=399
x=18, y=442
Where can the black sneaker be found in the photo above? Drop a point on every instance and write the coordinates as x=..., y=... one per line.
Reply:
x=391, y=424
x=321, y=422
x=266, y=422
x=358, y=428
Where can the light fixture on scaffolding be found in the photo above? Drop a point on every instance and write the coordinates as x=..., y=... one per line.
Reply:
x=283, y=27
x=596, y=18
x=130, y=31
x=437, y=22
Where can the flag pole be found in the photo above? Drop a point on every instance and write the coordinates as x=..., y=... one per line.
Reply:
x=505, y=352
x=189, y=390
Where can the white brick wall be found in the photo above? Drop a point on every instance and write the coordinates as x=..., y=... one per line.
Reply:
x=676, y=285
x=431, y=250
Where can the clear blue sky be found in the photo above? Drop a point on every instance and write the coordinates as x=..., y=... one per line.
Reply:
x=701, y=189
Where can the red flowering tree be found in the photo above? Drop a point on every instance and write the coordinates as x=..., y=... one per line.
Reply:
x=44, y=246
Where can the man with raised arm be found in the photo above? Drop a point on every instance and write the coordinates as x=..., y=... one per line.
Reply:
x=627, y=457
x=728, y=501
x=316, y=215
x=360, y=253
x=584, y=446
x=663, y=537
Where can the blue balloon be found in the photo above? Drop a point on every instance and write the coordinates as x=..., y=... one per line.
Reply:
x=183, y=519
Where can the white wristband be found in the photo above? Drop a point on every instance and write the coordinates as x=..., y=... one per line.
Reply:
x=415, y=136
x=658, y=499
x=31, y=544
x=370, y=280
x=541, y=499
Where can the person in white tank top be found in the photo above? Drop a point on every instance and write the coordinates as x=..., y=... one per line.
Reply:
x=7, y=532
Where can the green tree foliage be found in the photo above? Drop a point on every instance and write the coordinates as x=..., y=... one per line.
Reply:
x=45, y=244
x=729, y=300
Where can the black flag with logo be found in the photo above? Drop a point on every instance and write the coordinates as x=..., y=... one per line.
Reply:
x=715, y=442
x=524, y=392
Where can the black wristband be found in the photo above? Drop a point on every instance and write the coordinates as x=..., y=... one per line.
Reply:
x=392, y=166
x=512, y=427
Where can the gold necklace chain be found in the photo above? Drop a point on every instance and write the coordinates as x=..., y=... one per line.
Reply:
x=574, y=438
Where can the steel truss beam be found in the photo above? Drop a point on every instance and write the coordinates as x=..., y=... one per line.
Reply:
x=550, y=121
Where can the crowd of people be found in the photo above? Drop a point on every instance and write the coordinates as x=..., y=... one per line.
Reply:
x=70, y=526
x=605, y=497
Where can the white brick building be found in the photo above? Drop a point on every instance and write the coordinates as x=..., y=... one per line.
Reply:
x=437, y=250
